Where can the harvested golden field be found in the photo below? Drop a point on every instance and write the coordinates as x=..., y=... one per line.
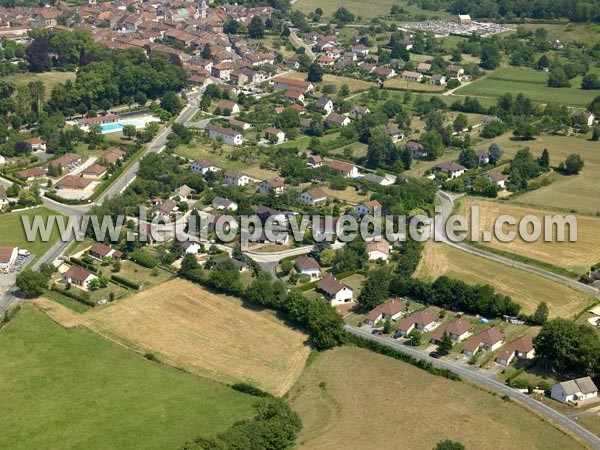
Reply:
x=399, y=83
x=210, y=335
x=350, y=398
x=525, y=288
x=353, y=84
x=573, y=256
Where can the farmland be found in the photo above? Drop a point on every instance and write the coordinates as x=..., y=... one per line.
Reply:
x=13, y=234
x=372, y=8
x=66, y=388
x=210, y=335
x=574, y=256
x=525, y=288
x=403, y=407
x=531, y=83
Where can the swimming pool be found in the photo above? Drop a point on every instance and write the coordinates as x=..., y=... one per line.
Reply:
x=112, y=127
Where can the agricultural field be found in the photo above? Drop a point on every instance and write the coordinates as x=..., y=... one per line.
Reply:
x=50, y=79
x=399, y=83
x=578, y=193
x=531, y=83
x=210, y=335
x=13, y=234
x=576, y=257
x=374, y=8
x=354, y=84
x=405, y=407
x=525, y=288
x=64, y=388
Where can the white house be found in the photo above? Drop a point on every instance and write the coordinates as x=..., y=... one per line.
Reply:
x=345, y=169
x=335, y=291
x=494, y=176
x=588, y=117
x=227, y=135
x=324, y=104
x=183, y=192
x=368, y=208
x=228, y=105
x=574, y=390
x=235, y=178
x=409, y=75
x=378, y=250
x=274, y=185
x=190, y=247
x=337, y=119
x=359, y=111
x=314, y=161
x=387, y=311
x=306, y=265
x=451, y=169
x=483, y=156
x=275, y=135
x=203, y=166
x=313, y=197
x=223, y=204
x=78, y=276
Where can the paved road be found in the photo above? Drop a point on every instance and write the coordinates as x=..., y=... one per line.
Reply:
x=479, y=378
x=447, y=202
x=294, y=37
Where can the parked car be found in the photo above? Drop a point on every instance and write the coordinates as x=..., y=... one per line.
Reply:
x=435, y=355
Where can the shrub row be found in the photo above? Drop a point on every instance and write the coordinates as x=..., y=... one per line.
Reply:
x=396, y=354
x=125, y=282
x=75, y=296
x=83, y=264
x=247, y=388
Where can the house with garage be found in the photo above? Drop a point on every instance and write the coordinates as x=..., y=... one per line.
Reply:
x=378, y=250
x=368, y=208
x=223, y=204
x=78, y=276
x=335, y=291
x=344, y=169
x=274, y=185
x=424, y=321
x=391, y=310
x=521, y=348
x=204, y=166
x=100, y=251
x=313, y=197
x=457, y=330
x=386, y=180
x=573, y=391
x=489, y=340
x=235, y=178
x=306, y=265
x=31, y=174
x=452, y=169
x=229, y=136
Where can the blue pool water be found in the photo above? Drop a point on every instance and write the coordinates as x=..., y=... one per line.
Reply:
x=112, y=127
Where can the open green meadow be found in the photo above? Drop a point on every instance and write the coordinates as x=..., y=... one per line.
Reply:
x=72, y=389
x=531, y=83
x=50, y=79
x=372, y=8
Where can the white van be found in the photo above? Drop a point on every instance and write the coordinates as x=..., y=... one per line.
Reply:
x=23, y=252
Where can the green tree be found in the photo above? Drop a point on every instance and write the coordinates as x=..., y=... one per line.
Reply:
x=495, y=153
x=557, y=78
x=256, y=29
x=445, y=344
x=460, y=122
x=469, y=158
x=286, y=266
x=315, y=73
x=432, y=144
x=171, y=102
x=590, y=81
x=374, y=290
x=449, y=445
x=490, y=56
x=129, y=131
x=415, y=337
x=540, y=316
x=344, y=91
x=573, y=164
x=31, y=284
x=47, y=270
x=342, y=15
x=226, y=277
x=544, y=159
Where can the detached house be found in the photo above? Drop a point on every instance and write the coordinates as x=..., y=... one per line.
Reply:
x=235, y=178
x=227, y=105
x=223, y=204
x=359, y=111
x=165, y=208
x=457, y=330
x=324, y=104
x=313, y=197
x=306, y=265
x=314, y=161
x=494, y=176
x=424, y=321
x=275, y=185
x=522, y=348
x=337, y=119
x=378, y=250
x=35, y=145
x=283, y=84
x=386, y=311
x=203, y=166
x=455, y=71
x=490, y=340
x=451, y=169
x=412, y=76
x=367, y=208
x=335, y=291
x=78, y=276
x=416, y=149
x=345, y=169
x=360, y=49
x=275, y=135
x=227, y=135
x=574, y=390
x=100, y=251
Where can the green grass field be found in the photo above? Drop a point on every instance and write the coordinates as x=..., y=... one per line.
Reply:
x=350, y=398
x=72, y=389
x=531, y=83
x=12, y=232
x=50, y=79
x=372, y=8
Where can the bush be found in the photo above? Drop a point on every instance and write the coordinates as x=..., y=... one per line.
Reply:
x=247, y=388
x=144, y=259
x=125, y=282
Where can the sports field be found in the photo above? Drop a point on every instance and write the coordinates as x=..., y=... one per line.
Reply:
x=574, y=256
x=525, y=288
x=71, y=389
x=210, y=335
x=350, y=398
x=531, y=83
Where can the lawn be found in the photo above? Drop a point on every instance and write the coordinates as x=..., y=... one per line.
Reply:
x=531, y=83
x=349, y=194
x=399, y=83
x=13, y=234
x=576, y=257
x=72, y=389
x=50, y=79
x=350, y=398
x=525, y=288
x=373, y=8
x=213, y=336
x=138, y=274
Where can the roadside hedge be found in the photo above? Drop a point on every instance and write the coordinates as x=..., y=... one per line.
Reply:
x=125, y=282
x=404, y=357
